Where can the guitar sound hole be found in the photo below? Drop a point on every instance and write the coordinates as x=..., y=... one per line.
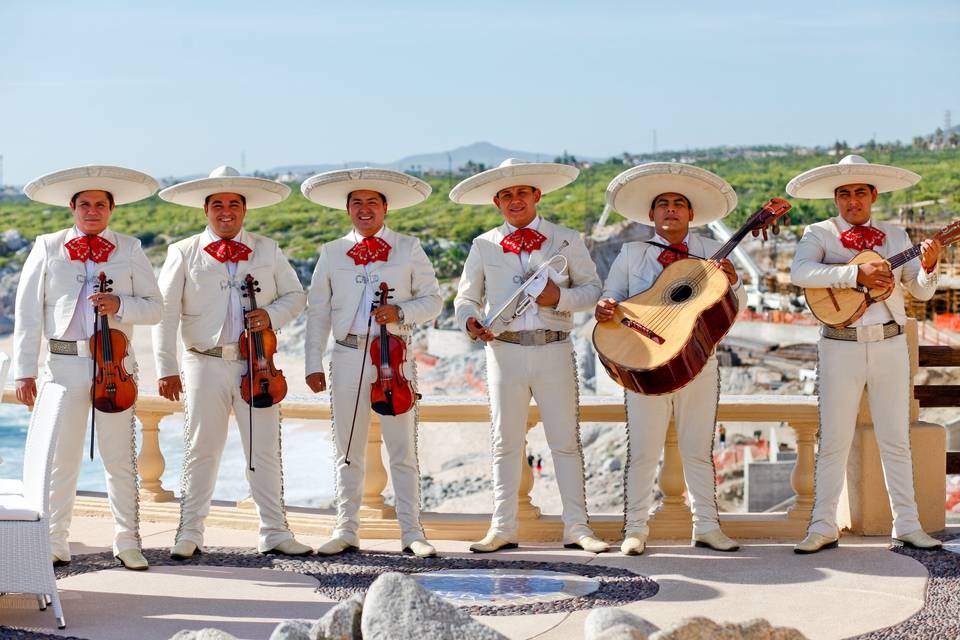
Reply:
x=681, y=293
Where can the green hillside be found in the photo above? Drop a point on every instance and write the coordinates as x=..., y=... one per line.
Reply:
x=301, y=226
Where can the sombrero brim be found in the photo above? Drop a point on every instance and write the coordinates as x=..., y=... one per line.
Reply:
x=332, y=188
x=57, y=188
x=258, y=192
x=481, y=188
x=632, y=192
x=821, y=182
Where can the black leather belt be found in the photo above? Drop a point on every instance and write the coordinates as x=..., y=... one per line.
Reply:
x=867, y=333
x=537, y=337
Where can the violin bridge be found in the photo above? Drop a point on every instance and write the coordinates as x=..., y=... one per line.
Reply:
x=642, y=330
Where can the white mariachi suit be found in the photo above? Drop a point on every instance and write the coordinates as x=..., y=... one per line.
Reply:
x=845, y=367
x=339, y=302
x=202, y=297
x=52, y=304
x=545, y=371
x=694, y=407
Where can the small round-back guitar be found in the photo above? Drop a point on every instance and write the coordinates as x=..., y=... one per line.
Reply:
x=660, y=339
x=839, y=308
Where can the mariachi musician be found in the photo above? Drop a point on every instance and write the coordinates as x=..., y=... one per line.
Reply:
x=533, y=355
x=202, y=282
x=670, y=197
x=872, y=351
x=57, y=301
x=345, y=283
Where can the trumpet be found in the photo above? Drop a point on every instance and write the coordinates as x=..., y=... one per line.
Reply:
x=521, y=300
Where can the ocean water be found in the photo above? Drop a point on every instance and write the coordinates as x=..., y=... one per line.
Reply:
x=307, y=459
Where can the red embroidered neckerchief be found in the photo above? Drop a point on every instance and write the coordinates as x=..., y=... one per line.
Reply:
x=85, y=248
x=369, y=250
x=668, y=257
x=228, y=250
x=527, y=239
x=862, y=238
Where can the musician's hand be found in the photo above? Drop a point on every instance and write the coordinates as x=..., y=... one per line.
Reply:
x=386, y=314
x=478, y=331
x=257, y=320
x=930, y=253
x=170, y=387
x=27, y=391
x=875, y=275
x=550, y=295
x=605, y=309
x=105, y=303
x=317, y=382
x=729, y=269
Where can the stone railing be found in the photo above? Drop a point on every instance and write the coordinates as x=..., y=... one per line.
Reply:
x=673, y=520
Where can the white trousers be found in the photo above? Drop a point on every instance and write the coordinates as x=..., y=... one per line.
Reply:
x=399, y=436
x=117, y=448
x=844, y=369
x=212, y=390
x=694, y=408
x=548, y=373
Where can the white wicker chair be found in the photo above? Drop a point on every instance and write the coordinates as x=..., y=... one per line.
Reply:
x=25, y=565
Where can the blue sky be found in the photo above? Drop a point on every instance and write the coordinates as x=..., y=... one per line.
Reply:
x=175, y=87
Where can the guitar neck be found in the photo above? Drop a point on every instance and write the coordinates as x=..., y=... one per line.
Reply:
x=732, y=243
x=904, y=256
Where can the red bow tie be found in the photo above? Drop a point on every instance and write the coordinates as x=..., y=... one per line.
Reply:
x=85, y=248
x=369, y=250
x=668, y=257
x=860, y=238
x=228, y=250
x=528, y=240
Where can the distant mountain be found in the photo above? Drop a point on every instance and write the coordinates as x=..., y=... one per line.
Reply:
x=489, y=155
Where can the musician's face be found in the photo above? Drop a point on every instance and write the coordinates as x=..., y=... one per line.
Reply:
x=671, y=214
x=367, y=211
x=854, y=202
x=91, y=211
x=225, y=213
x=518, y=204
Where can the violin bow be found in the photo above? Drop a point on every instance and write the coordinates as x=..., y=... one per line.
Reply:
x=93, y=382
x=363, y=364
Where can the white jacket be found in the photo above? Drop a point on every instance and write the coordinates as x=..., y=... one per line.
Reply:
x=491, y=276
x=336, y=290
x=51, y=282
x=196, y=291
x=820, y=261
x=636, y=268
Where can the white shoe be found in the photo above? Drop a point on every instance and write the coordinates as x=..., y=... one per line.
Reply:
x=815, y=542
x=335, y=546
x=184, y=550
x=634, y=544
x=290, y=547
x=133, y=559
x=716, y=540
x=421, y=549
x=589, y=543
x=490, y=543
x=920, y=540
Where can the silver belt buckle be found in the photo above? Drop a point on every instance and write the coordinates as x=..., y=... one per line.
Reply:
x=83, y=349
x=870, y=333
x=540, y=337
x=230, y=351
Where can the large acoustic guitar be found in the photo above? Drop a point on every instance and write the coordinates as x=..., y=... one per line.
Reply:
x=660, y=339
x=838, y=308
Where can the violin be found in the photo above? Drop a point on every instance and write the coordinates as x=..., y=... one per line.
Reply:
x=113, y=389
x=263, y=382
x=391, y=394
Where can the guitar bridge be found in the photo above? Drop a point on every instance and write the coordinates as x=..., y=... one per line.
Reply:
x=642, y=330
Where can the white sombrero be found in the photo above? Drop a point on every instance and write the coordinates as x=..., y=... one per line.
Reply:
x=632, y=192
x=481, y=188
x=332, y=188
x=821, y=182
x=57, y=188
x=258, y=192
